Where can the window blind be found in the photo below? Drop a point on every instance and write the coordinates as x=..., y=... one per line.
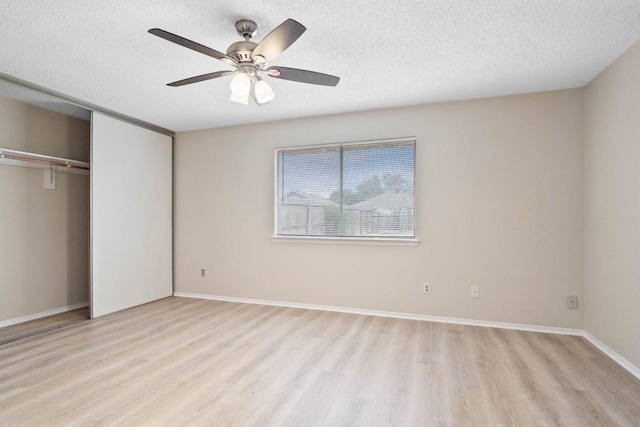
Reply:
x=360, y=190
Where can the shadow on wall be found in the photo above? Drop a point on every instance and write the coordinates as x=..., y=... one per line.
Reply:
x=77, y=243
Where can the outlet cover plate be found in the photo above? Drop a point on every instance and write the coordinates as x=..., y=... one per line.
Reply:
x=475, y=291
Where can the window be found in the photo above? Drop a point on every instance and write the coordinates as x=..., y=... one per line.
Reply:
x=350, y=190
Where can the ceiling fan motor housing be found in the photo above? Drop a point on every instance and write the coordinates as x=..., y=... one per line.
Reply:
x=241, y=51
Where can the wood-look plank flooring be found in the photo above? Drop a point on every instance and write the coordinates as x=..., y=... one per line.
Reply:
x=192, y=362
x=44, y=324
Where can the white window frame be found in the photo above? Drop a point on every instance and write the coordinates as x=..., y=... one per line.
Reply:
x=348, y=240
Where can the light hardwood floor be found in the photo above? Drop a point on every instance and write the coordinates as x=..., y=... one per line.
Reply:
x=48, y=323
x=190, y=362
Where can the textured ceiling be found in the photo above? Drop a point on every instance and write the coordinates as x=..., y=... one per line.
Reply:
x=387, y=53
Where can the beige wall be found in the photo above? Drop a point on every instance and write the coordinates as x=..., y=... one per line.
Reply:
x=499, y=204
x=43, y=233
x=612, y=206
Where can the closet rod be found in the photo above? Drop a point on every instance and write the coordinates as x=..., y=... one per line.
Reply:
x=22, y=156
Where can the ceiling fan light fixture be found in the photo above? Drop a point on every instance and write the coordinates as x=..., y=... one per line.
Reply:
x=250, y=59
x=263, y=92
x=240, y=99
x=241, y=85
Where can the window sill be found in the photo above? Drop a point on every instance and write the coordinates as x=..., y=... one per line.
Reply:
x=375, y=241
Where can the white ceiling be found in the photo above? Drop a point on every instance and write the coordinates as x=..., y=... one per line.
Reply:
x=387, y=53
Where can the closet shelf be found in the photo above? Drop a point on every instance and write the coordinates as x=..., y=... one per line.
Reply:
x=40, y=161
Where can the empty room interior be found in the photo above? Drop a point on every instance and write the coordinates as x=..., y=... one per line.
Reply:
x=283, y=213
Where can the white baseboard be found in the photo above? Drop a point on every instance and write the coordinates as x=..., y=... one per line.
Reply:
x=612, y=354
x=397, y=315
x=42, y=314
x=393, y=314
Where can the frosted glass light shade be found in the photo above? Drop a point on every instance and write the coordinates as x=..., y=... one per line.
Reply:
x=241, y=85
x=264, y=93
x=241, y=99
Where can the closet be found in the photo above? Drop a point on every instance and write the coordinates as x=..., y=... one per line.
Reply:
x=85, y=212
x=44, y=218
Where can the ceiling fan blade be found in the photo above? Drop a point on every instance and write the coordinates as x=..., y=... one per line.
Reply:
x=278, y=40
x=302, y=76
x=200, y=78
x=192, y=45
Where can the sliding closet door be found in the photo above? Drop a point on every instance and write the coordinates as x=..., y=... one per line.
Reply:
x=131, y=248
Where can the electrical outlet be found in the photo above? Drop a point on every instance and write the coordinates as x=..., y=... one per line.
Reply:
x=475, y=292
x=202, y=272
x=572, y=301
x=426, y=288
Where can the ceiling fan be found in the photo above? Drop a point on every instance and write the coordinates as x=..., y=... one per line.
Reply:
x=250, y=61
